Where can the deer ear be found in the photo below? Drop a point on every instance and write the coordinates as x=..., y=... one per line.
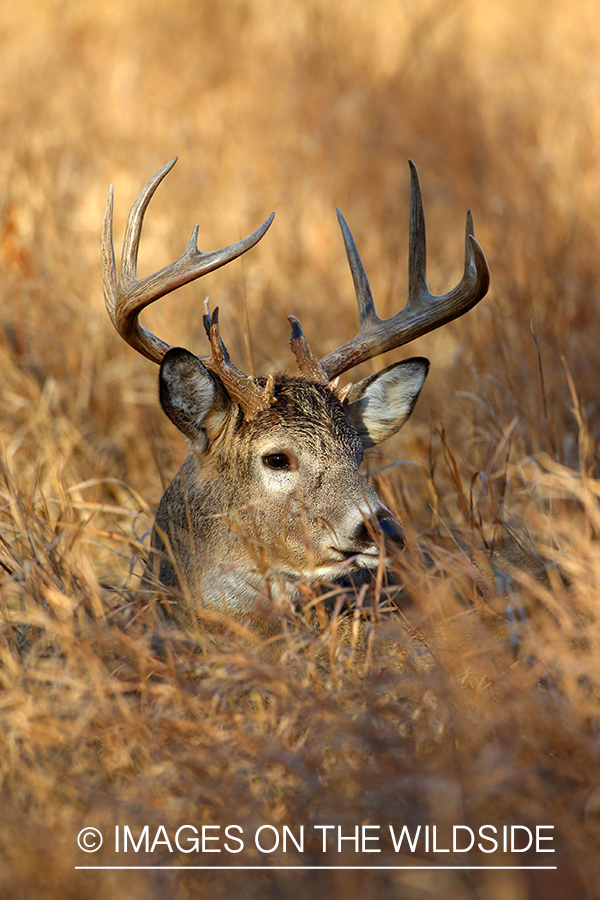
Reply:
x=380, y=404
x=191, y=396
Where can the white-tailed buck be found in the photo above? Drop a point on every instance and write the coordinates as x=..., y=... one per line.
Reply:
x=271, y=491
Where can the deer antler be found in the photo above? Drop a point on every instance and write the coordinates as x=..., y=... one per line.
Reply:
x=424, y=311
x=126, y=297
x=240, y=387
x=308, y=364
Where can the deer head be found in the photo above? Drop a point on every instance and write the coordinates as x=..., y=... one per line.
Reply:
x=271, y=491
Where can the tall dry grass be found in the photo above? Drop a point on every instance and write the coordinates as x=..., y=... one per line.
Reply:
x=493, y=716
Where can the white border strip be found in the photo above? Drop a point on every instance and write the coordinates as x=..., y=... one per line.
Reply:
x=343, y=868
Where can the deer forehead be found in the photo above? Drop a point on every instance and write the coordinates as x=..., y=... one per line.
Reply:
x=308, y=417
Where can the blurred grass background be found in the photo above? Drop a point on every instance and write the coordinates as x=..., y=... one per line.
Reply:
x=301, y=107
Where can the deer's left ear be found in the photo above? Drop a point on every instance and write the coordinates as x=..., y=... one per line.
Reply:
x=380, y=404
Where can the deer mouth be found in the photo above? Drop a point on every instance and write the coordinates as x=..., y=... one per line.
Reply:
x=358, y=558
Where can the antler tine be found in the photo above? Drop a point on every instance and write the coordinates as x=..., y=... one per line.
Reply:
x=207, y=321
x=423, y=311
x=243, y=389
x=475, y=278
x=417, y=242
x=127, y=297
x=366, y=307
x=308, y=364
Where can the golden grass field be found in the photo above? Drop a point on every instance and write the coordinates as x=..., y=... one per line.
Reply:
x=302, y=107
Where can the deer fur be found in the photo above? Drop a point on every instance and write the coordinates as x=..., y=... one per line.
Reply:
x=267, y=529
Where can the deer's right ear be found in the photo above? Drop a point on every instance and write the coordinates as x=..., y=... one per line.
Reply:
x=191, y=396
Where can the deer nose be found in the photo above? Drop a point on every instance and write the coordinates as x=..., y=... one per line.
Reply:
x=392, y=529
x=382, y=521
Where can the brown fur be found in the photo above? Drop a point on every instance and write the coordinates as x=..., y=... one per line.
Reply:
x=227, y=537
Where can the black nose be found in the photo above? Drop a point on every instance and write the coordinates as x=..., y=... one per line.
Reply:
x=392, y=529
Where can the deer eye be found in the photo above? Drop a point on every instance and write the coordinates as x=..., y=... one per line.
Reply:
x=279, y=461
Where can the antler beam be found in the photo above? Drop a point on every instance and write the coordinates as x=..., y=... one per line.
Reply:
x=126, y=297
x=424, y=311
